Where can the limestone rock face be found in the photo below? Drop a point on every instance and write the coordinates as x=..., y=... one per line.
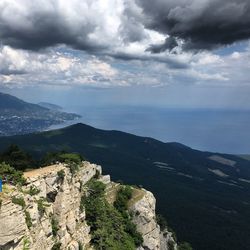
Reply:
x=52, y=215
x=13, y=227
x=144, y=217
x=57, y=203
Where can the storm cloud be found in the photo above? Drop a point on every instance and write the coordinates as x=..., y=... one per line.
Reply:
x=124, y=42
x=101, y=26
x=35, y=25
x=205, y=24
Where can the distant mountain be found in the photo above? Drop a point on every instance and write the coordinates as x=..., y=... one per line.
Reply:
x=20, y=117
x=9, y=102
x=204, y=196
x=50, y=106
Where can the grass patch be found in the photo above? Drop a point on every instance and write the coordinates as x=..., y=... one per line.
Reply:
x=26, y=244
x=54, y=226
x=19, y=201
x=41, y=206
x=28, y=219
x=137, y=195
x=33, y=190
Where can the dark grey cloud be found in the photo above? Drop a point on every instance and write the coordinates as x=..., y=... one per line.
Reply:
x=7, y=72
x=101, y=29
x=200, y=24
x=37, y=27
x=46, y=31
x=170, y=62
x=169, y=44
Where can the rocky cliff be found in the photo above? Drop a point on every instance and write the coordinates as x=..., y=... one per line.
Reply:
x=45, y=213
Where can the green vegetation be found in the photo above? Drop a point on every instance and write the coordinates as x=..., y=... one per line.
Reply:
x=53, y=157
x=26, y=244
x=16, y=158
x=28, y=219
x=122, y=198
x=184, y=246
x=171, y=245
x=54, y=226
x=80, y=246
x=70, y=157
x=161, y=221
x=82, y=203
x=56, y=246
x=41, y=206
x=33, y=190
x=10, y=175
x=73, y=160
x=18, y=201
x=121, y=204
x=74, y=167
x=109, y=229
x=201, y=210
x=61, y=174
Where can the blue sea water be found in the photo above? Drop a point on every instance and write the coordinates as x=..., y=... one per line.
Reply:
x=225, y=131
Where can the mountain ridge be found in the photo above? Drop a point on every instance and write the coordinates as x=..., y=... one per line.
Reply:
x=203, y=195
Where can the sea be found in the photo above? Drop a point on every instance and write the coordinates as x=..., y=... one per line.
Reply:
x=216, y=130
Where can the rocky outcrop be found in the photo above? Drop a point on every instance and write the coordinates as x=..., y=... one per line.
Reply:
x=50, y=214
x=143, y=210
x=55, y=208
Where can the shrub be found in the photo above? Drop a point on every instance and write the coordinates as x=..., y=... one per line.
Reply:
x=171, y=245
x=61, y=174
x=53, y=157
x=80, y=246
x=161, y=221
x=54, y=226
x=18, y=201
x=73, y=167
x=96, y=188
x=26, y=244
x=33, y=190
x=28, y=219
x=82, y=202
x=11, y=176
x=41, y=206
x=122, y=198
x=72, y=157
x=173, y=233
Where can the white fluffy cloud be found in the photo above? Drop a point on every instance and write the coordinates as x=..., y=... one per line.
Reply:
x=67, y=67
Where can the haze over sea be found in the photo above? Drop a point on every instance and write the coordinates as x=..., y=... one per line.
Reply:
x=225, y=131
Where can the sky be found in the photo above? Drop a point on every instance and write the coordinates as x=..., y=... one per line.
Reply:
x=175, y=53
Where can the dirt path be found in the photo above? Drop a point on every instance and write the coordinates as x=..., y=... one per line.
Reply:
x=42, y=171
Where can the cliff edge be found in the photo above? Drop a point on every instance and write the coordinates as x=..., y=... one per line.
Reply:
x=46, y=212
